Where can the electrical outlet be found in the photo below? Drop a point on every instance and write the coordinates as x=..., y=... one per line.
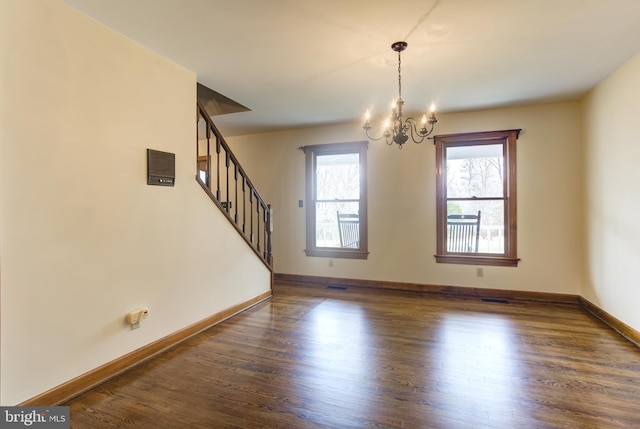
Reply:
x=479, y=272
x=136, y=316
x=330, y=263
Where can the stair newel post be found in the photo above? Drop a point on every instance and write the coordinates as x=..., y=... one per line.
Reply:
x=227, y=164
x=269, y=229
x=235, y=198
x=251, y=215
x=258, y=204
x=218, y=168
x=208, y=160
x=244, y=204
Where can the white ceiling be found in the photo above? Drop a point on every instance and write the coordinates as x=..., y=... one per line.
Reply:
x=310, y=62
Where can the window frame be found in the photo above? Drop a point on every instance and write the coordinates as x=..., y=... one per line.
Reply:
x=507, y=138
x=311, y=153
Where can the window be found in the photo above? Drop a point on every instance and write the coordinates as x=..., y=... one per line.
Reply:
x=336, y=197
x=476, y=198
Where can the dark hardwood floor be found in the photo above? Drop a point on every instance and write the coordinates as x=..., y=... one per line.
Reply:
x=362, y=358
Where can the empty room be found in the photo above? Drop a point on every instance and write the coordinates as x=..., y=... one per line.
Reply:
x=305, y=214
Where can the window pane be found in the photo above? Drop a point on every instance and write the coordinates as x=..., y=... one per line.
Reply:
x=491, y=237
x=475, y=171
x=327, y=231
x=338, y=177
x=336, y=185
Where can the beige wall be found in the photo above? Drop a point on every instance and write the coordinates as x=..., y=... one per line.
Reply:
x=83, y=239
x=401, y=183
x=611, y=114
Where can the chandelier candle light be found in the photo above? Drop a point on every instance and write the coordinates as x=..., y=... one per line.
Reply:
x=396, y=129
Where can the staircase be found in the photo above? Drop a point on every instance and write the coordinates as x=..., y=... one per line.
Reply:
x=227, y=184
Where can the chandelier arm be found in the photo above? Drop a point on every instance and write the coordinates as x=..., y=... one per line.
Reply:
x=413, y=130
x=366, y=131
x=428, y=133
x=386, y=135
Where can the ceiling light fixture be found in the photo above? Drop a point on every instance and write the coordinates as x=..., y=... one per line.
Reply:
x=396, y=129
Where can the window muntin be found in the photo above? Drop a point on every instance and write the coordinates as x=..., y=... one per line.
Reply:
x=336, y=183
x=476, y=173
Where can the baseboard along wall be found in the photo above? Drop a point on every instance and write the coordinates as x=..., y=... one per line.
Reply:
x=620, y=327
x=84, y=382
x=509, y=295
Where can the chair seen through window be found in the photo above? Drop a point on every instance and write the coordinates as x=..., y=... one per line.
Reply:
x=349, y=228
x=463, y=233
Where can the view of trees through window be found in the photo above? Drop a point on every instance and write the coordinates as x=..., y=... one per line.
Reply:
x=337, y=179
x=474, y=183
x=474, y=177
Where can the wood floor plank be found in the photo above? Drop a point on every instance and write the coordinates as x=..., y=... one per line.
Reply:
x=366, y=358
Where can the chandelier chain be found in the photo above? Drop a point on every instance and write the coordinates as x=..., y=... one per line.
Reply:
x=399, y=78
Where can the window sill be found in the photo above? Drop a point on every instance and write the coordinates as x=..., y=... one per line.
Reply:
x=337, y=253
x=497, y=261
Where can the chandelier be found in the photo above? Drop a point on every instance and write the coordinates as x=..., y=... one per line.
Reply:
x=396, y=128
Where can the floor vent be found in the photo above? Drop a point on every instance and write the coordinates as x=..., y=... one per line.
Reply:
x=337, y=287
x=495, y=300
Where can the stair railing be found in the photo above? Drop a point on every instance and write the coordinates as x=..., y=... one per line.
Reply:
x=227, y=184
